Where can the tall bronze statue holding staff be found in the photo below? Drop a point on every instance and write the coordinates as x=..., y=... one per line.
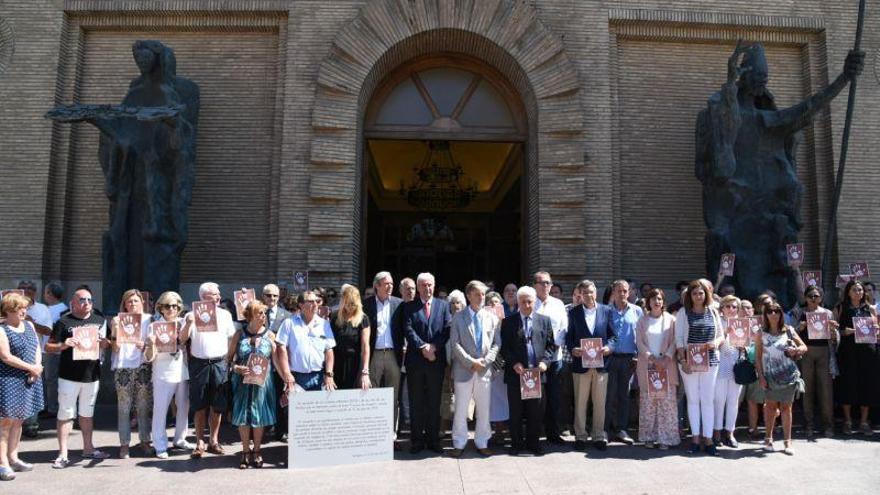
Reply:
x=745, y=159
x=147, y=153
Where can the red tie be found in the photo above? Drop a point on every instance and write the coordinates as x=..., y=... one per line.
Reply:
x=427, y=310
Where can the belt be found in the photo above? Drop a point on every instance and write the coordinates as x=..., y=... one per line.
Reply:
x=210, y=360
x=387, y=349
x=624, y=354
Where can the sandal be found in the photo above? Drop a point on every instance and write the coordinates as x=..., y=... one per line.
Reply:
x=216, y=449
x=243, y=464
x=95, y=454
x=198, y=453
x=258, y=459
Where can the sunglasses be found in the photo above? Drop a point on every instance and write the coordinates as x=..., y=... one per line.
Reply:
x=171, y=306
x=774, y=312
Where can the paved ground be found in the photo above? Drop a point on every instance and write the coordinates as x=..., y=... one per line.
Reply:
x=847, y=466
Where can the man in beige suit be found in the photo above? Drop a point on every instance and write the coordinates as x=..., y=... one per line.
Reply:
x=475, y=339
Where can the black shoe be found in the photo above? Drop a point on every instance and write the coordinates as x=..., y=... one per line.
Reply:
x=30, y=432
x=711, y=450
x=694, y=448
x=580, y=445
x=436, y=448
x=537, y=451
x=514, y=451
x=556, y=440
x=730, y=442
x=601, y=444
x=416, y=448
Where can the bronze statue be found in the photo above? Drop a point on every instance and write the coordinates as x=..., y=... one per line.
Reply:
x=745, y=158
x=147, y=153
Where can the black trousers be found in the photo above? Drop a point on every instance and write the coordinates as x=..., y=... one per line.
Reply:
x=425, y=384
x=531, y=410
x=559, y=391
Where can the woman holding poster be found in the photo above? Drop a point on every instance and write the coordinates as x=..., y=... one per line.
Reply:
x=726, y=389
x=131, y=374
x=170, y=373
x=698, y=326
x=251, y=354
x=818, y=329
x=658, y=378
x=777, y=349
x=858, y=383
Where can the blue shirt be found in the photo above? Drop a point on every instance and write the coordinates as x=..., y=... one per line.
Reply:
x=624, y=322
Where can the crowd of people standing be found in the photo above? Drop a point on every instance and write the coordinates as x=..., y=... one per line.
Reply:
x=470, y=355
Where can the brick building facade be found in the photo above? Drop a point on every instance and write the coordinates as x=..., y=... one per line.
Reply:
x=608, y=93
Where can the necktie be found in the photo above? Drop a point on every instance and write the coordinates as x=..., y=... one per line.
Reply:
x=270, y=316
x=478, y=334
x=427, y=309
x=530, y=348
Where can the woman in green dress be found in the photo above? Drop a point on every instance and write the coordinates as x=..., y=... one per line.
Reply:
x=253, y=405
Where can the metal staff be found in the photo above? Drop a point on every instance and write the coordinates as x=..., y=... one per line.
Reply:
x=844, y=144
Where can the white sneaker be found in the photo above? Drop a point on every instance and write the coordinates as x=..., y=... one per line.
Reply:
x=183, y=444
x=162, y=455
x=788, y=451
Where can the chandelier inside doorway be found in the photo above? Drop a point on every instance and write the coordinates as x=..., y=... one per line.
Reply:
x=440, y=183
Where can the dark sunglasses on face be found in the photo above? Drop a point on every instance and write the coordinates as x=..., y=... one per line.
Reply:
x=774, y=312
x=814, y=296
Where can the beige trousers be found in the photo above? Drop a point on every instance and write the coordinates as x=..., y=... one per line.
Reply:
x=590, y=386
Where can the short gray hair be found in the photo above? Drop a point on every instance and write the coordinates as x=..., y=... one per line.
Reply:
x=208, y=287
x=525, y=290
x=381, y=276
x=405, y=280
x=271, y=287
x=425, y=276
x=585, y=284
x=475, y=284
x=456, y=295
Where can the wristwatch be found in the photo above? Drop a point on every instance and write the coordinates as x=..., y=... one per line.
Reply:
x=328, y=374
x=365, y=372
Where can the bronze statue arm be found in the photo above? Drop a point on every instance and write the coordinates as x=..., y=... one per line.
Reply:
x=799, y=116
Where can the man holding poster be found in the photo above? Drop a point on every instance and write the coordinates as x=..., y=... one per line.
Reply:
x=207, y=366
x=78, y=380
x=589, y=320
x=816, y=327
x=526, y=342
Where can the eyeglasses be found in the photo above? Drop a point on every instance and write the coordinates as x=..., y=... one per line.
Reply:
x=171, y=306
x=84, y=300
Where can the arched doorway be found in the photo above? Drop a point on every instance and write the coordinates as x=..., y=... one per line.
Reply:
x=444, y=139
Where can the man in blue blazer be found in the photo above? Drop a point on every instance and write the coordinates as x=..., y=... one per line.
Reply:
x=589, y=320
x=427, y=322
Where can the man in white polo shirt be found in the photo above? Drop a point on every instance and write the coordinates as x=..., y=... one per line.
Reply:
x=305, y=348
x=208, y=371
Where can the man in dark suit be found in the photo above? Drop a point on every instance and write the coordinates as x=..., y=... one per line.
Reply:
x=427, y=322
x=526, y=342
x=589, y=320
x=275, y=316
x=386, y=337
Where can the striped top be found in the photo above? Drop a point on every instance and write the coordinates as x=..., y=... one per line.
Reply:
x=702, y=331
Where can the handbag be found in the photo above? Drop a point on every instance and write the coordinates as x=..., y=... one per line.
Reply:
x=744, y=371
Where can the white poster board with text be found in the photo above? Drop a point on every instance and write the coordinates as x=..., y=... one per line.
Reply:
x=340, y=427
